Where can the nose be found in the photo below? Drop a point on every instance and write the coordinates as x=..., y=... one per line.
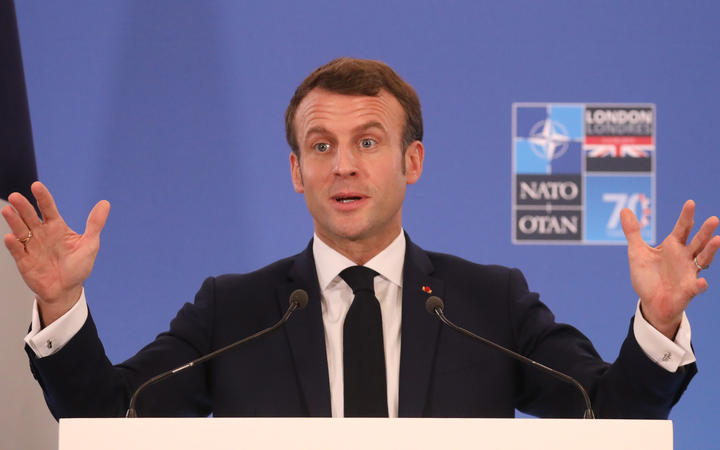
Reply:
x=345, y=162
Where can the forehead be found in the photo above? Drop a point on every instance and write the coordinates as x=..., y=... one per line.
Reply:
x=339, y=112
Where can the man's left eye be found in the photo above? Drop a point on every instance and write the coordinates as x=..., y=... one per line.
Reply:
x=368, y=143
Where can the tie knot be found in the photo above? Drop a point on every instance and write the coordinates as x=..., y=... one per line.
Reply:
x=359, y=278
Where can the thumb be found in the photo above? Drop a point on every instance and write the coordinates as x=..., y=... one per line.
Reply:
x=97, y=218
x=631, y=227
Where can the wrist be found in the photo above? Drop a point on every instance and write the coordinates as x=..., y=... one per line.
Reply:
x=668, y=327
x=51, y=310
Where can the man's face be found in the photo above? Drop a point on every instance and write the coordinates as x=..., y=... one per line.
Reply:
x=351, y=167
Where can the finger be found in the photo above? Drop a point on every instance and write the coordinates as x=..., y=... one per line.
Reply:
x=13, y=219
x=684, y=223
x=17, y=250
x=45, y=200
x=631, y=227
x=25, y=209
x=97, y=218
x=701, y=238
x=701, y=286
x=706, y=256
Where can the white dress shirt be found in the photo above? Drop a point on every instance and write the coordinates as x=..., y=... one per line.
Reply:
x=336, y=297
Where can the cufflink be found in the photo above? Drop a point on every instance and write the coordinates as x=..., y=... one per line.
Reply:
x=667, y=356
x=48, y=344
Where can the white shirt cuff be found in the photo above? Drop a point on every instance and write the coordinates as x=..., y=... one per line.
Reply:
x=48, y=340
x=666, y=353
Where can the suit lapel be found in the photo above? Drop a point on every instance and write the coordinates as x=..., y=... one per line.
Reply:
x=419, y=331
x=306, y=335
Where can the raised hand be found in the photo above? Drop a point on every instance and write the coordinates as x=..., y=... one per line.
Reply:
x=53, y=260
x=666, y=277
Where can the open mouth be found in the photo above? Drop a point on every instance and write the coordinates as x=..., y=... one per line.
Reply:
x=348, y=199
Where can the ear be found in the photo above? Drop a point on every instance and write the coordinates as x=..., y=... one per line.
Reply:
x=295, y=173
x=414, y=162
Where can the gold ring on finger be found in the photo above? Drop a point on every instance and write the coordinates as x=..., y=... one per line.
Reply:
x=26, y=239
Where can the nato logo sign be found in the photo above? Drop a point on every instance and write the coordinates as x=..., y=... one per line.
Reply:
x=576, y=166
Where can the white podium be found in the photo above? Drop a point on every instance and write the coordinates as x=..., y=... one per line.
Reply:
x=375, y=434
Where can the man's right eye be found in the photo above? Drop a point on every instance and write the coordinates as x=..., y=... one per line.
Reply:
x=322, y=147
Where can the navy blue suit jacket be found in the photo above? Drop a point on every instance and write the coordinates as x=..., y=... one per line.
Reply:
x=442, y=374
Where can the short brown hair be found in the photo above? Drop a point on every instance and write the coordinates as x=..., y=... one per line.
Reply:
x=353, y=76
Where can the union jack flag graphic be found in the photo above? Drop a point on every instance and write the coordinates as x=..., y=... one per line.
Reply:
x=618, y=146
x=618, y=151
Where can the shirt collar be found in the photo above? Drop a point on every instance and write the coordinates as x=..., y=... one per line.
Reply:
x=388, y=263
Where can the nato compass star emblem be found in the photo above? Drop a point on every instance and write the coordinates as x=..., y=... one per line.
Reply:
x=549, y=140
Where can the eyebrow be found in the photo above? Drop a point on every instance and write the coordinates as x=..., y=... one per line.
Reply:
x=369, y=125
x=318, y=129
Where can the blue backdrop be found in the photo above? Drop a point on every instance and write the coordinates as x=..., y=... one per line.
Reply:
x=173, y=111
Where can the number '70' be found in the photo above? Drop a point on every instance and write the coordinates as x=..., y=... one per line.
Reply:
x=624, y=200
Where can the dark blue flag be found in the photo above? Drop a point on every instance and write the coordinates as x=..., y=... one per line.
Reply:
x=29, y=426
x=17, y=156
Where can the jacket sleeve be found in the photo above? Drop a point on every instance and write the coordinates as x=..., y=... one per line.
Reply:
x=631, y=387
x=80, y=381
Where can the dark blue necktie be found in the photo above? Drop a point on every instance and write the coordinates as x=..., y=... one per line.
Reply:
x=365, y=382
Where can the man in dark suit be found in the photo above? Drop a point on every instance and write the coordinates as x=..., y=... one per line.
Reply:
x=355, y=131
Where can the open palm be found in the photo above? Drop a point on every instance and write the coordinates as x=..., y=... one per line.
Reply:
x=55, y=260
x=666, y=277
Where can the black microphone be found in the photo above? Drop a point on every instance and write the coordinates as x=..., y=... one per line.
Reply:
x=434, y=305
x=298, y=300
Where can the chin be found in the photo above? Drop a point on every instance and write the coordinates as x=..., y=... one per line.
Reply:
x=352, y=235
x=350, y=232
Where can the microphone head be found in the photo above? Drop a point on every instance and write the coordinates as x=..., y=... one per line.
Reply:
x=433, y=303
x=299, y=297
